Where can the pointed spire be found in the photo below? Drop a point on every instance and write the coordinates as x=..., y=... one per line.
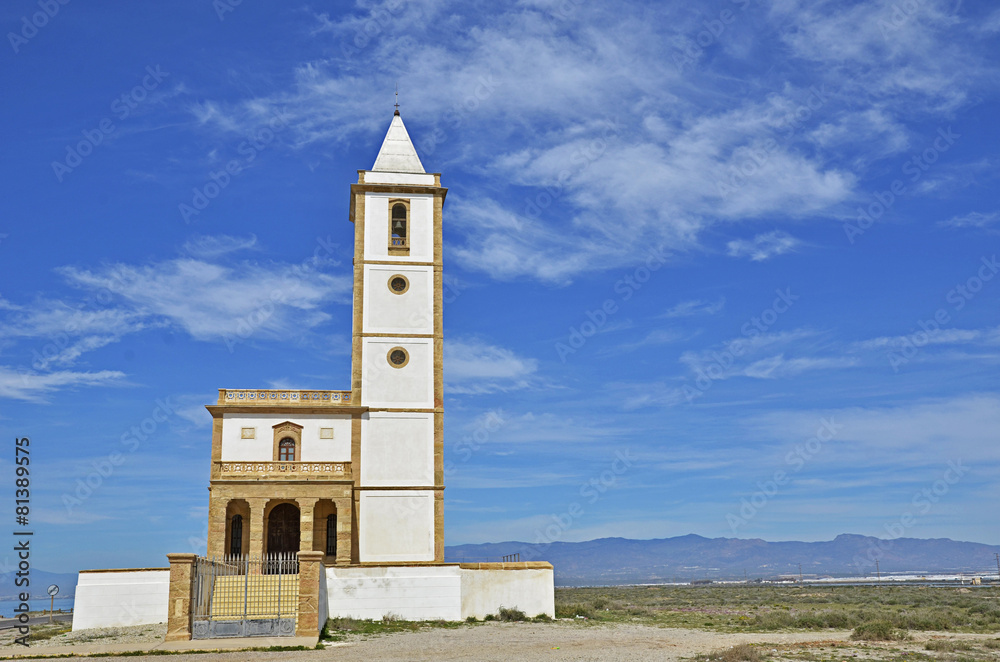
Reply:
x=397, y=153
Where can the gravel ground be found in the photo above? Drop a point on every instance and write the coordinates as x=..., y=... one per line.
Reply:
x=137, y=634
x=521, y=642
x=527, y=642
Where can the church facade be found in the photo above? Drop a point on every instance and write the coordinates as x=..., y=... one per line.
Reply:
x=357, y=474
x=326, y=503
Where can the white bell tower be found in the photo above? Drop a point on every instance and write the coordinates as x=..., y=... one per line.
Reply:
x=397, y=357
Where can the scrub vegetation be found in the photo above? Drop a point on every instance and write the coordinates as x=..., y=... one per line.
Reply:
x=870, y=610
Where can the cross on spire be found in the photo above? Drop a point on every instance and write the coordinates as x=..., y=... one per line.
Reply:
x=397, y=100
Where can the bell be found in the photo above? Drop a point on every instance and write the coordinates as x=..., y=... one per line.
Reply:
x=398, y=227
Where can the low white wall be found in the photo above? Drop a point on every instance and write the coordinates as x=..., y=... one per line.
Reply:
x=530, y=590
x=121, y=597
x=414, y=593
x=324, y=600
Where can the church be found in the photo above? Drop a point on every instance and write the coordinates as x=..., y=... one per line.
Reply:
x=336, y=495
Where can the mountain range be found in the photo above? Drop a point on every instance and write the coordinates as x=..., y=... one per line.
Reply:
x=692, y=557
x=686, y=558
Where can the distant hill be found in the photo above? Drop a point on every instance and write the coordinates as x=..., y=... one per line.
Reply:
x=624, y=561
x=40, y=580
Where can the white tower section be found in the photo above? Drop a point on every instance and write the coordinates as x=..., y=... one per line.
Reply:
x=397, y=356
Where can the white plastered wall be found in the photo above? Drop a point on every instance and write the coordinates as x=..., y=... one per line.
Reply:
x=372, y=177
x=397, y=449
x=421, y=228
x=414, y=593
x=409, y=387
x=115, y=599
x=396, y=525
x=530, y=590
x=261, y=448
x=387, y=312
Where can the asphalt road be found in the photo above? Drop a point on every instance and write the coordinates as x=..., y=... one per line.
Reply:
x=9, y=623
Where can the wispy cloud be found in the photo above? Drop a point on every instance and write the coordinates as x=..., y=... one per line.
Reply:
x=652, y=338
x=211, y=301
x=695, y=307
x=763, y=246
x=472, y=366
x=31, y=386
x=777, y=366
x=973, y=219
x=211, y=246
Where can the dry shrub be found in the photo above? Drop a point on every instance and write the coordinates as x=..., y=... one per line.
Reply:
x=740, y=653
x=878, y=631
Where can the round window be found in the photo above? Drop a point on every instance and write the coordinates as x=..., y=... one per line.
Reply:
x=398, y=284
x=398, y=357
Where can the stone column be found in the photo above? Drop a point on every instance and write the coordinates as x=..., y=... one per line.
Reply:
x=344, y=536
x=179, y=602
x=216, y=526
x=307, y=623
x=307, y=509
x=257, y=532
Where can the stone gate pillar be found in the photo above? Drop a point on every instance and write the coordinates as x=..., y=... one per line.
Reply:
x=179, y=602
x=307, y=623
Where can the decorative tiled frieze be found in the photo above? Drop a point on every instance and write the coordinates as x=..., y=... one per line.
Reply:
x=282, y=397
x=330, y=470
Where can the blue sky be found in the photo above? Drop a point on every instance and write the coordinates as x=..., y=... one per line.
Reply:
x=724, y=268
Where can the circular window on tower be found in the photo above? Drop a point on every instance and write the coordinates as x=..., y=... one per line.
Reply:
x=398, y=357
x=398, y=284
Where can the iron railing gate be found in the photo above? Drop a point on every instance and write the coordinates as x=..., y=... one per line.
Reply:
x=245, y=596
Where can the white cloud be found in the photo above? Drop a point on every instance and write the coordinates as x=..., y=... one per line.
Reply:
x=210, y=246
x=695, y=307
x=777, y=366
x=211, y=301
x=973, y=219
x=653, y=338
x=474, y=367
x=600, y=147
x=64, y=332
x=763, y=246
x=940, y=337
x=30, y=386
x=919, y=433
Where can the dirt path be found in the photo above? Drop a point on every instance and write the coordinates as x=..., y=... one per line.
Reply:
x=524, y=642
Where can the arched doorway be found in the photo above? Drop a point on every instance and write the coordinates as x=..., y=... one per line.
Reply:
x=283, y=529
